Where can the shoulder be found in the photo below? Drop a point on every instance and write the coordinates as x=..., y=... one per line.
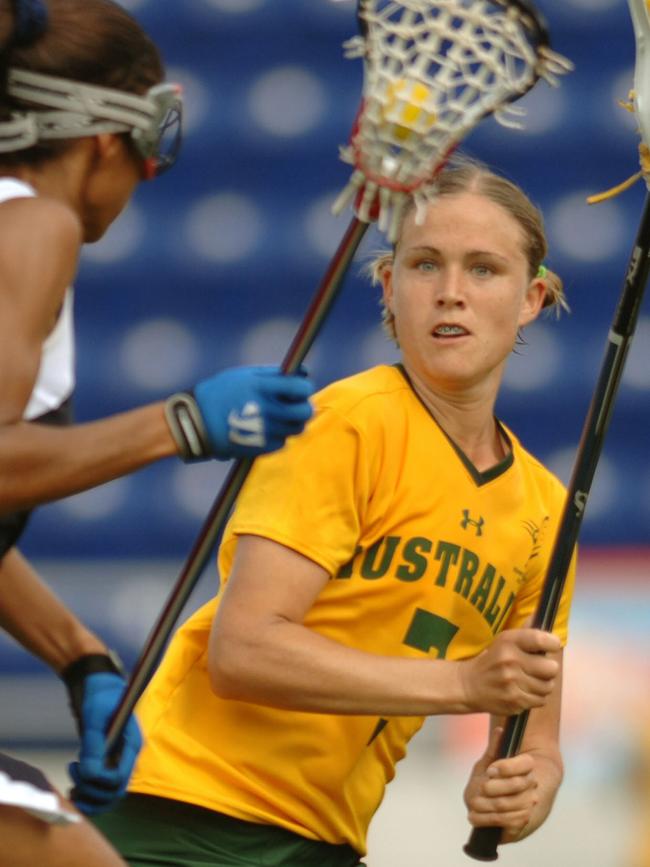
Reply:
x=538, y=474
x=25, y=215
x=56, y=226
x=40, y=239
x=364, y=394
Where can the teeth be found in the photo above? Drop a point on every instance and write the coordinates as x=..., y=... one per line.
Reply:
x=450, y=329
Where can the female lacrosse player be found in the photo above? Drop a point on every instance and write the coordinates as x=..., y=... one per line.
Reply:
x=84, y=117
x=380, y=569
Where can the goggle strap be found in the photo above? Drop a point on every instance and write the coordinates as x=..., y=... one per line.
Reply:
x=18, y=133
x=75, y=98
x=79, y=110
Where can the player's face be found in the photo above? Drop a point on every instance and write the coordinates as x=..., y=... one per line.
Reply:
x=459, y=289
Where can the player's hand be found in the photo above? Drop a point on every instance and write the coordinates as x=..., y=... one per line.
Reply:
x=248, y=411
x=93, y=699
x=512, y=674
x=502, y=793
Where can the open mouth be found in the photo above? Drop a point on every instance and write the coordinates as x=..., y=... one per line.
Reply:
x=449, y=331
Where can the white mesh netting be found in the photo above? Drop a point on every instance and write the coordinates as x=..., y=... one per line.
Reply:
x=640, y=13
x=432, y=70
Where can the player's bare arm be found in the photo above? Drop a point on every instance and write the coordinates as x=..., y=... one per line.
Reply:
x=33, y=282
x=261, y=651
x=517, y=793
x=37, y=619
x=40, y=462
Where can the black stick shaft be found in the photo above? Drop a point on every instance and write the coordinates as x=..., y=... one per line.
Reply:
x=483, y=842
x=201, y=551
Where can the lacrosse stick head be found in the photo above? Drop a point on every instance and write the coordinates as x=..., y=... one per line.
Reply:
x=432, y=70
x=640, y=96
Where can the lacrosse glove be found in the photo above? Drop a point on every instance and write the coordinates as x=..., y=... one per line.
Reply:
x=241, y=412
x=95, y=686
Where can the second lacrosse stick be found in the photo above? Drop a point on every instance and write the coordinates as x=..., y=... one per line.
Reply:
x=483, y=842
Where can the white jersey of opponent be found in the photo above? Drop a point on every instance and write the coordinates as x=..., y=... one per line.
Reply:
x=56, y=378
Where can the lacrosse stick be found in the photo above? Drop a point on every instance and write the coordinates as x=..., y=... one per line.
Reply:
x=432, y=70
x=483, y=842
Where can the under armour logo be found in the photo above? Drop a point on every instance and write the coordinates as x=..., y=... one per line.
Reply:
x=246, y=428
x=470, y=522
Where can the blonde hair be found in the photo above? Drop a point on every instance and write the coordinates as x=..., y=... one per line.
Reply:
x=468, y=176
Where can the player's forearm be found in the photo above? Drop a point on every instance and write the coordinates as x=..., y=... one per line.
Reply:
x=32, y=614
x=41, y=462
x=290, y=666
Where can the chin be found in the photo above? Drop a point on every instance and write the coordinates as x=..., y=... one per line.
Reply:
x=93, y=233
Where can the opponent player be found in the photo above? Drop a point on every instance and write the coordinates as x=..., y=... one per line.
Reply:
x=382, y=568
x=84, y=117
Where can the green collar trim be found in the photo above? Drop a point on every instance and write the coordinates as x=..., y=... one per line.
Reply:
x=480, y=478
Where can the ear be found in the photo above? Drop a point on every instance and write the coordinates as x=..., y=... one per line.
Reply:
x=387, y=285
x=533, y=301
x=109, y=147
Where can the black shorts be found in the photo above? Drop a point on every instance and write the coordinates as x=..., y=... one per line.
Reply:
x=24, y=786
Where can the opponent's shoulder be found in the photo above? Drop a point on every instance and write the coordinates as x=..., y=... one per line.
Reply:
x=40, y=221
x=40, y=239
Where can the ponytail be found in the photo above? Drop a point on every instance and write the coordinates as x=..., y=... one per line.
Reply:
x=30, y=21
x=21, y=23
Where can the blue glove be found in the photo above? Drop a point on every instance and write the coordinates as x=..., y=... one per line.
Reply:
x=241, y=412
x=94, y=698
x=252, y=410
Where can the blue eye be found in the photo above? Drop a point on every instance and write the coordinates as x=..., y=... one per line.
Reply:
x=427, y=266
x=482, y=270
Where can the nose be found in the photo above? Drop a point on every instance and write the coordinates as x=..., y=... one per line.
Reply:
x=450, y=291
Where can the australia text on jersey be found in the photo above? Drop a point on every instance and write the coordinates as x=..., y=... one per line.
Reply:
x=458, y=567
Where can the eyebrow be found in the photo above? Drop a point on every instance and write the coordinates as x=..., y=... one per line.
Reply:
x=424, y=248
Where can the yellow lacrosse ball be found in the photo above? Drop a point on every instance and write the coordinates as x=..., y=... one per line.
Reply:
x=404, y=107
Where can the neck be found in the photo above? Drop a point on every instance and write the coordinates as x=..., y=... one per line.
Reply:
x=467, y=417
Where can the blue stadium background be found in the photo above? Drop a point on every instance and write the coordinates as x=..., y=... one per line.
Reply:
x=214, y=264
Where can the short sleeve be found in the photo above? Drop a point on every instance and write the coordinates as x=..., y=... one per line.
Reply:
x=310, y=496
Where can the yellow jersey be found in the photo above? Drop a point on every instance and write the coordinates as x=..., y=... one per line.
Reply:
x=426, y=556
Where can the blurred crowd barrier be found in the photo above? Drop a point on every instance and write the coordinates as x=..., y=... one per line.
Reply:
x=601, y=815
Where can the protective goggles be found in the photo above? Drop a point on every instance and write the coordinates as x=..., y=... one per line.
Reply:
x=153, y=120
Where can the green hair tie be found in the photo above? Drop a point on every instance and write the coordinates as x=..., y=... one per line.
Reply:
x=542, y=271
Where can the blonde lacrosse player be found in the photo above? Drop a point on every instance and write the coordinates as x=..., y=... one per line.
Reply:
x=381, y=569
x=85, y=116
